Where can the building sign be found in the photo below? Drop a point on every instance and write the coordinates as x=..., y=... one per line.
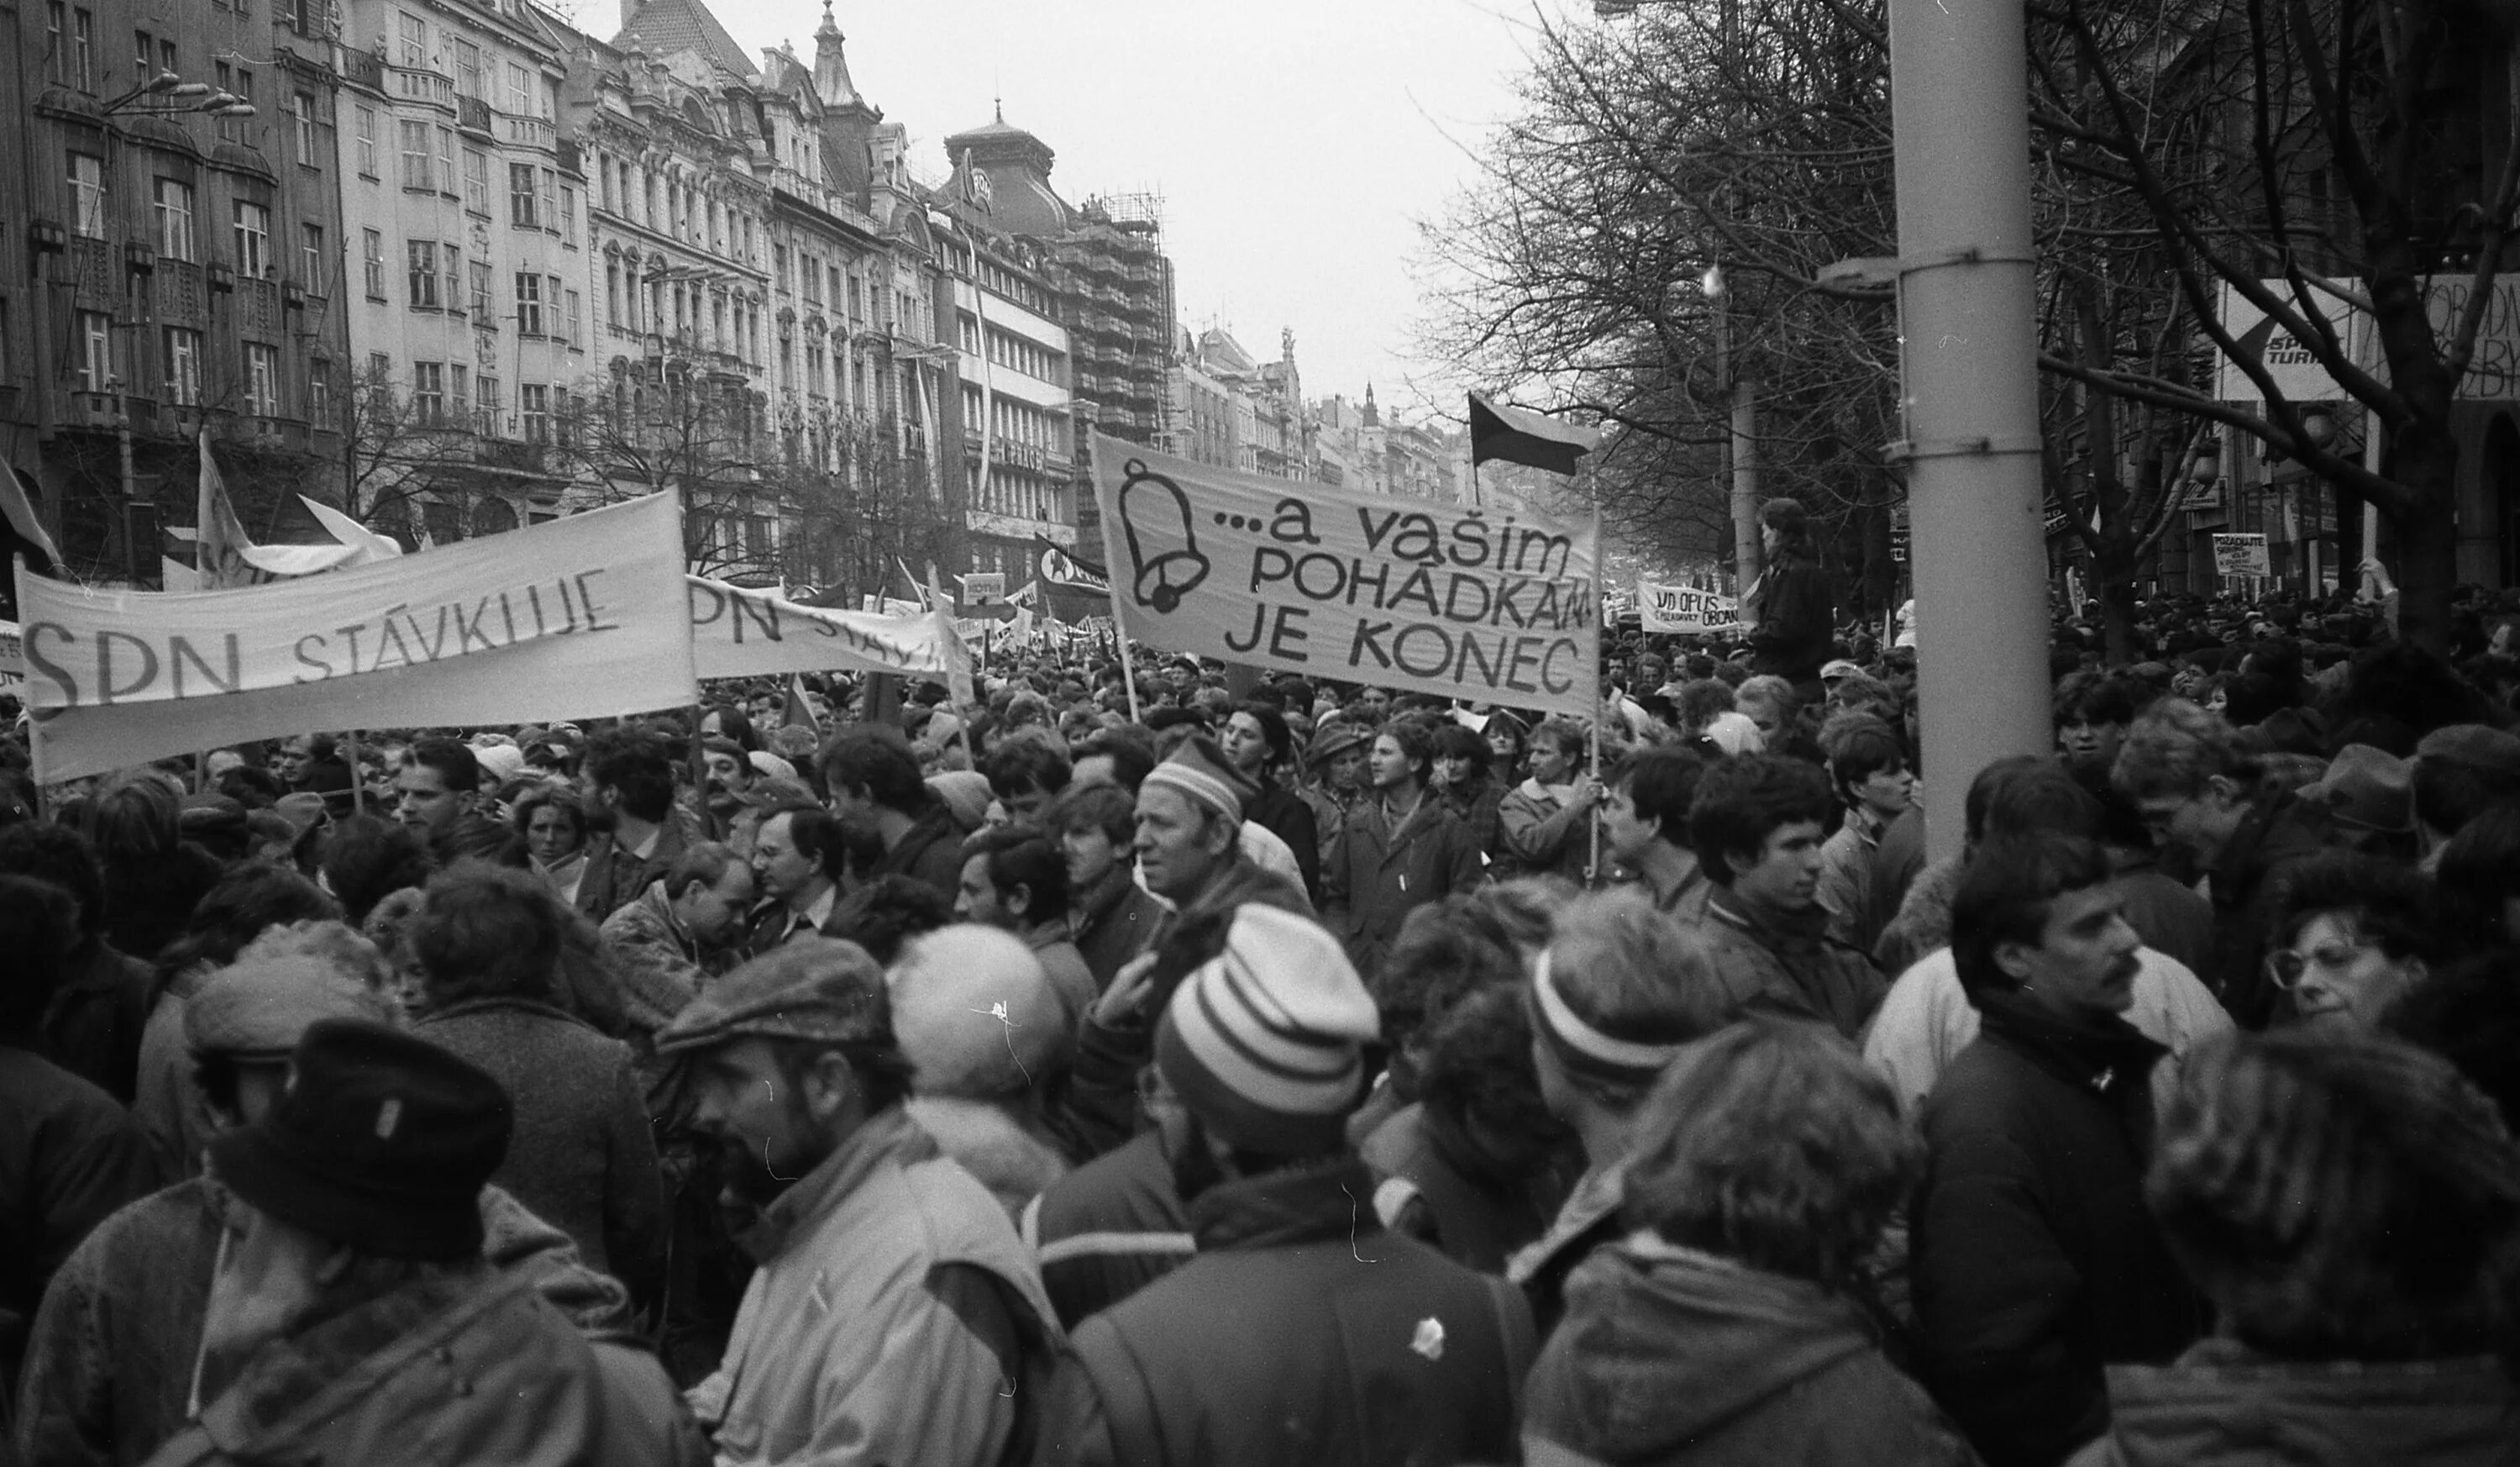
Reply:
x=2493, y=372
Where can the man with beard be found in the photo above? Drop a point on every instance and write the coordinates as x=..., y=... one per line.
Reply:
x=1301, y=1328
x=1756, y=823
x=894, y=1314
x=2034, y=1258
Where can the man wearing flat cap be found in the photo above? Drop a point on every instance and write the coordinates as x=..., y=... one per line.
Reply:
x=352, y=1317
x=1301, y=1330
x=109, y=1365
x=894, y=1317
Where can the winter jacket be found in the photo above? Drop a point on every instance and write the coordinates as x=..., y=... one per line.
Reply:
x=1543, y=834
x=1282, y=812
x=2279, y=834
x=1063, y=965
x=884, y=1323
x=1587, y=1219
x=1301, y=1333
x=581, y=1156
x=1846, y=883
x=449, y=1370
x=657, y=965
x=1430, y=1185
x=70, y=1157
x=109, y=1365
x=615, y=874
x=1928, y=1021
x=167, y=1104
x=1766, y=965
x=1795, y=613
x=1381, y=872
x=2223, y=1404
x=991, y=1143
x=2034, y=1260
x=931, y=850
x=1111, y=928
x=92, y=1027
x=1478, y=805
x=1107, y=1229
x=1671, y=1356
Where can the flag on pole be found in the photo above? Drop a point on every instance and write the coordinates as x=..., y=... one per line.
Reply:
x=23, y=536
x=367, y=547
x=799, y=712
x=1525, y=437
x=958, y=680
x=221, y=544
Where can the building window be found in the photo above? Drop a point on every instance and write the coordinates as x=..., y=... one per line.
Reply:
x=261, y=380
x=483, y=307
x=520, y=91
x=319, y=390
x=95, y=350
x=83, y=49
x=468, y=69
x=174, y=208
x=253, y=241
x=366, y=124
x=415, y=41
x=613, y=294
x=488, y=403
x=424, y=273
x=548, y=209
x=416, y=173
x=428, y=391
x=574, y=339
x=183, y=366
x=476, y=180
x=301, y=114
x=87, y=194
x=310, y=256
x=459, y=392
x=454, y=277
x=533, y=401
x=57, y=50
x=521, y=195
x=529, y=303
x=567, y=214
x=144, y=57
x=447, y=159
x=372, y=254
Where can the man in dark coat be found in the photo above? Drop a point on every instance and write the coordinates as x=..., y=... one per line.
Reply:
x=1274, y=1345
x=2034, y=1260
x=1402, y=847
x=875, y=786
x=1756, y=823
x=1789, y=612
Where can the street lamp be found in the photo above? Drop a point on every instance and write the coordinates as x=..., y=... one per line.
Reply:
x=166, y=95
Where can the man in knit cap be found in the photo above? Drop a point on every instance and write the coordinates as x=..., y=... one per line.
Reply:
x=1301, y=1330
x=2351, y=1205
x=351, y=1315
x=110, y=1364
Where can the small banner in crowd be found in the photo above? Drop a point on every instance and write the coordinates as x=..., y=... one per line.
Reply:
x=1662, y=608
x=2241, y=555
x=738, y=632
x=562, y=621
x=1410, y=594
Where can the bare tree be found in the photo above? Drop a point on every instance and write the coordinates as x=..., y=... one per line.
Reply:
x=670, y=426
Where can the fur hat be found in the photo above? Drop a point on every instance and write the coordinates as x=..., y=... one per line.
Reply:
x=976, y=1014
x=2340, y=1196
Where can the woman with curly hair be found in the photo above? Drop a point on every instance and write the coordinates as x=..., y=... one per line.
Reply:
x=1727, y=1326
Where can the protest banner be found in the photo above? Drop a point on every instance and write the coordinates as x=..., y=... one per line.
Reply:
x=738, y=632
x=12, y=657
x=1684, y=608
x=983, y=588
x=2241, y=555
x=562, y=621
x=1410, y=594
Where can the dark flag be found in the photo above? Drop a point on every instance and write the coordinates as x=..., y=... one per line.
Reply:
x=22, y=537
x=1525, y=437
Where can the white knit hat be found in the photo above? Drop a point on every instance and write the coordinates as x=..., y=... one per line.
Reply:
x=1265, y=1042
x=974, y=1012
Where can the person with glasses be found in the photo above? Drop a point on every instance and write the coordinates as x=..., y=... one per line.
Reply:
x=2354, y=934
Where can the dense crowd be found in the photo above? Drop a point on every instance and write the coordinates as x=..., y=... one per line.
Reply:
x=1219, y=1070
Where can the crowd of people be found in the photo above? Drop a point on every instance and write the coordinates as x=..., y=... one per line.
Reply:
x=1219, y=1070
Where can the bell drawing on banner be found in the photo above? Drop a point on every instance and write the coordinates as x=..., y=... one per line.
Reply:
x=1151, y=507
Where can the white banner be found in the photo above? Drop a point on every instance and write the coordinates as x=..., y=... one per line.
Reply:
x=1403, y=593
x=2241, y=555
x=1684, y=608
x=567, y=619
x=744, y=633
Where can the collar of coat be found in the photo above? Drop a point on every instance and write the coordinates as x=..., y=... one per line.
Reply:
x=286, y=1374
x=1306, y=1204
x=1778, y=932
x=887, y=1137
x=2101, y=1052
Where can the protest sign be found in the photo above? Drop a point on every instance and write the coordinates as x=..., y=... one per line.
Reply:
x=1410, y=594
x=12, y=658
x=984, y=589
x=562, y=621
x=737, y=632
x=1685, y=608
x=2241, y=555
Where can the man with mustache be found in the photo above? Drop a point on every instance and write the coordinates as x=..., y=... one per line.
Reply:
x=895, y=1314
x=2034, y=1260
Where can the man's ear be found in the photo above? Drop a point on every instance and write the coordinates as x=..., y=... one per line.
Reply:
x=1017, y=902
x=830, y=1083
x=2015, y=959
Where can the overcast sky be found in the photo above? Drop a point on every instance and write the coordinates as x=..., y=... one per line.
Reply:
x=1296, y=142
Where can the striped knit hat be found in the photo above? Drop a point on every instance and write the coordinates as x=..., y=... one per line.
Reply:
x=1588, y=1052
x=1198, y=770
x=1265, y=1042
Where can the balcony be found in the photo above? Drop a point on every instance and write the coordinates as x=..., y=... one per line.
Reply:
x=527, y=132
x=473, y=115
x=422, y=86
x=363, y=68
